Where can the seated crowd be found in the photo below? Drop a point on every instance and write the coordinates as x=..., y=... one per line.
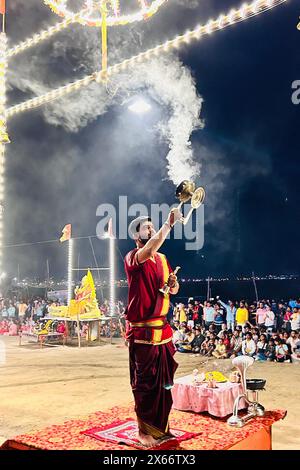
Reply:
x=265, y=331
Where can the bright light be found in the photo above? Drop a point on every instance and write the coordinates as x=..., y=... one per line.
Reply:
x=105, y=235
x=245, y=12
x=139, y=106
x=112, y=275
x=3, y=276
x=90, y=15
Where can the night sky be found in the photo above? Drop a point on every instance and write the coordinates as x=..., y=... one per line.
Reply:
x=248, y=148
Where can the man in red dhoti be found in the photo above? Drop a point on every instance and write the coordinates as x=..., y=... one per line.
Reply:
x=149, y=335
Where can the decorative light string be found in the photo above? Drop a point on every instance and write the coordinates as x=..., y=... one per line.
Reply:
x=144, y=12
x=234, y=16
x=43, y=35
x=4, y=139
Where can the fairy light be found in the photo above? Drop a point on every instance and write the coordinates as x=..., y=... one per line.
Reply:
x=70, y=269
x=43, y=35
x=144, y=12
x=4, y=139
x=245, y=12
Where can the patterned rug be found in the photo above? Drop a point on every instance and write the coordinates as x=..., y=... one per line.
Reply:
x=210, y=433
x=125, y=432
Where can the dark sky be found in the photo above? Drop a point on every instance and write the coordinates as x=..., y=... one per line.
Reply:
x=248, y=151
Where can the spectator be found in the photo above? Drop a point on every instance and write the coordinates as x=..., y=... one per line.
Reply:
x=261, y=348
x=270, y=319
x=182, y=314
x=271, y=350
x=218, y=318
x=282, y=351
x=295, y=319
x=286, y=320
x=198, y=340
x=242, y=315
x=260, y=315
x=248, y=346
x=230, y=313
x=207, y=347
x=293, y=341
x=208, y=315
x=22, y=310
x=220, y=350
x=190, y=316
x=11, y=311
x=223, y=329
x=198, y=313
x=235, y=345
x=280, y=316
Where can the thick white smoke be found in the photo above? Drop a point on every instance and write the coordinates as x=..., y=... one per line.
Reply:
x=165, y=79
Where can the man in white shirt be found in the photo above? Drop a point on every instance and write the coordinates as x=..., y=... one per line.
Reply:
x=270, y=319
x=248, y=346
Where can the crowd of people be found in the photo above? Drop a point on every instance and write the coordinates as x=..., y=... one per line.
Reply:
x=31, y=316
x=265, y=330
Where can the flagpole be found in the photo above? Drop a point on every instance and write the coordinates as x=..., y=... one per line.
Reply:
x=70, y=269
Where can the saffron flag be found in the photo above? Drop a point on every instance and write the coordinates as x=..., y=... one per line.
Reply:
x=2, y=7
x=66, y=233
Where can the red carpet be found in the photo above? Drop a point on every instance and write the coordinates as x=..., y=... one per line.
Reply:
x=125, y=432
x=211, y=433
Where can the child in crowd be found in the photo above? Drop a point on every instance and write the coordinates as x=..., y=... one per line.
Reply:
x=282, y=351
x=271, y=350
x=261, y=348
x=220, y=350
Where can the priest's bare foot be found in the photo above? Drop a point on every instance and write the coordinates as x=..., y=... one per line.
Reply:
x=147, y=440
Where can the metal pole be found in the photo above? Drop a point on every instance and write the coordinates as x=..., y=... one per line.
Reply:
x=112, y=275
x=207, y=295
x=255, y=288
x=70, y=269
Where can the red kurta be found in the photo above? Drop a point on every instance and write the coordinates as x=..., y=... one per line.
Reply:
x=152, y=366
x=145, y=303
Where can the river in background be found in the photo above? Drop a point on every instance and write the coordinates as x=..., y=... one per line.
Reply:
x=277, y=289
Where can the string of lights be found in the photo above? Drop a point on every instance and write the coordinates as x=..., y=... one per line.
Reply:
x=92, y=15
x=4, y=139
x=43, y=35
x=234, y=16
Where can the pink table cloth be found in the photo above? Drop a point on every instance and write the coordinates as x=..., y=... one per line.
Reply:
x=216, y=401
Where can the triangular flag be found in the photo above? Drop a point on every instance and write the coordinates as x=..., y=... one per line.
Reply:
x=2, y=7
x=66, y=233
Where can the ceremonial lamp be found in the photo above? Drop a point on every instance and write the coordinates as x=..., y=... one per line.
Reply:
x=249, y=386
x=186, y=191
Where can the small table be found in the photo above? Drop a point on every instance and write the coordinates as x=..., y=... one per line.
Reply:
x=198, y=398
x=41, y=339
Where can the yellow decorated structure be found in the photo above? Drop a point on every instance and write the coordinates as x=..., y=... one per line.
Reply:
x=84, y=306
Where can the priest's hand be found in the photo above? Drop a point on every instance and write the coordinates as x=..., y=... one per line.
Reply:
x=172, y=280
